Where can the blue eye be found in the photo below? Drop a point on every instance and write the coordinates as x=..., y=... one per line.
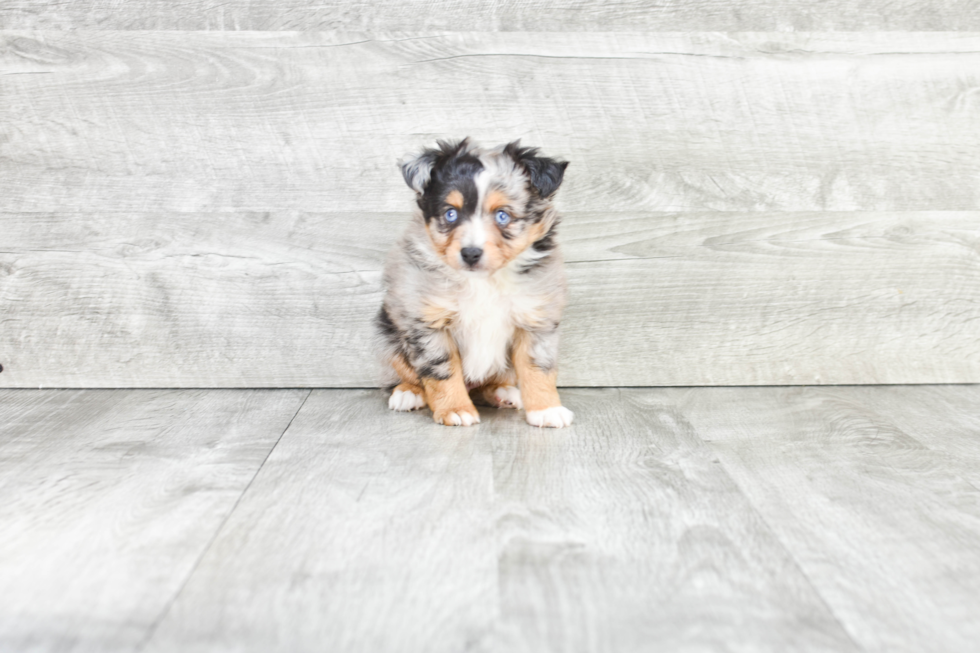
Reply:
x=502, y=218
x=451, y=215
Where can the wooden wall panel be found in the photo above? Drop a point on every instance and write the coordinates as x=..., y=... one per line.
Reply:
x=266, y=300
x=494, y=15
x=110, y=121
x=212, y=209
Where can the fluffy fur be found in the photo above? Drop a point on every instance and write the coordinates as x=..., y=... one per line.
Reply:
x=475, y=288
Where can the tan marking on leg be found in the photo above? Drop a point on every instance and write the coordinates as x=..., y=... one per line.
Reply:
x=405, y=371
x=410, y=383
x=538, y=389
x=410, y=387
x=450, y=403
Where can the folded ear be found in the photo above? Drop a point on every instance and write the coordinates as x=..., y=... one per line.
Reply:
x=545, y=174
x=417, y=168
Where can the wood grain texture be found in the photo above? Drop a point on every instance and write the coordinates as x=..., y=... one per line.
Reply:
x=373, y=531
x=741, y=519
x=109, y=498
x=703, y=166
x=946, y=419
x=622, y=533
x=368, y=530
x=286, y=299
x=169, y=301
x=881, y=522
x=487, y=15
x=198, y=121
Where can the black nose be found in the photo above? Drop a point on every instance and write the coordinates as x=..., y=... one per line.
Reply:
x=471, y=255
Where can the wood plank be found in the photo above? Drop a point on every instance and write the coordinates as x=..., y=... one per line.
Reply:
x=348, y=241
x=373, y=531
x=510, y=15
x=885, y=529
x=198, y=121
x=795, y=322
x=287, y=299
x=367, y=530
x=109, y=498
x=174, y=301
x=946, y=419
x=624, y=534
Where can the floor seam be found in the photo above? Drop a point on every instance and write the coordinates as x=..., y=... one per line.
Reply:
x=755, y=510
x=151, y=631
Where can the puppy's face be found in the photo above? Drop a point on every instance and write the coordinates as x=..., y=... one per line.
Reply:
x=482, y=208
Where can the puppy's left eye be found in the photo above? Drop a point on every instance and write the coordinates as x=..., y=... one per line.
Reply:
x=502, y=218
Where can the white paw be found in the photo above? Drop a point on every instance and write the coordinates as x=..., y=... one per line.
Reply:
x=459, y=419
x=555, y=417
x=405, y=400
x=507, y=396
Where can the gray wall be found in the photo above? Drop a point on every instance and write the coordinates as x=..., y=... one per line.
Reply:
x=754, y=205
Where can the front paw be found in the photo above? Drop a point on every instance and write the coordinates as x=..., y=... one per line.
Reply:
x=555, y=417
x=460, y=416
x=405, y=399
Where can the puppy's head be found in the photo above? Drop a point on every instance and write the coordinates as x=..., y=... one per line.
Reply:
x=483, y=208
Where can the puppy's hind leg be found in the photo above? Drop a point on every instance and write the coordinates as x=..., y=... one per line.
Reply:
x=500, y=392
x=409, y=394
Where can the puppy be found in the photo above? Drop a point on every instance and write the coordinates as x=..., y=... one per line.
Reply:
x=475, y=288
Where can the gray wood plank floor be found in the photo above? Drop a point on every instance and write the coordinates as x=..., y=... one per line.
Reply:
x=886, y=527
x=742, y=519
x=109, y=497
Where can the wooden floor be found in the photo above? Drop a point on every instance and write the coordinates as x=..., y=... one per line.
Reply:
x=703, y=519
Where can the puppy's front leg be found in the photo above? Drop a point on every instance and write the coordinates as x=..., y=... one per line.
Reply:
x=445, y=390
x=535, y=361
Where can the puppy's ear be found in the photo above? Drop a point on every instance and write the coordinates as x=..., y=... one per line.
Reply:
x=417, y=168
x=545, y=174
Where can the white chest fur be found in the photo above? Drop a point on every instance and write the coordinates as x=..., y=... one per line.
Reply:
x=484, y=324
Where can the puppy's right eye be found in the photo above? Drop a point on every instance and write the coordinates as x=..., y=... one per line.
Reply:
x=451, y=215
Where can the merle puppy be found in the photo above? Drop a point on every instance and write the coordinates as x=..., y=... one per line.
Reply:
x=475, y=288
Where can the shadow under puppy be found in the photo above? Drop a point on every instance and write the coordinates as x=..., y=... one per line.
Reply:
x=475, y=288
